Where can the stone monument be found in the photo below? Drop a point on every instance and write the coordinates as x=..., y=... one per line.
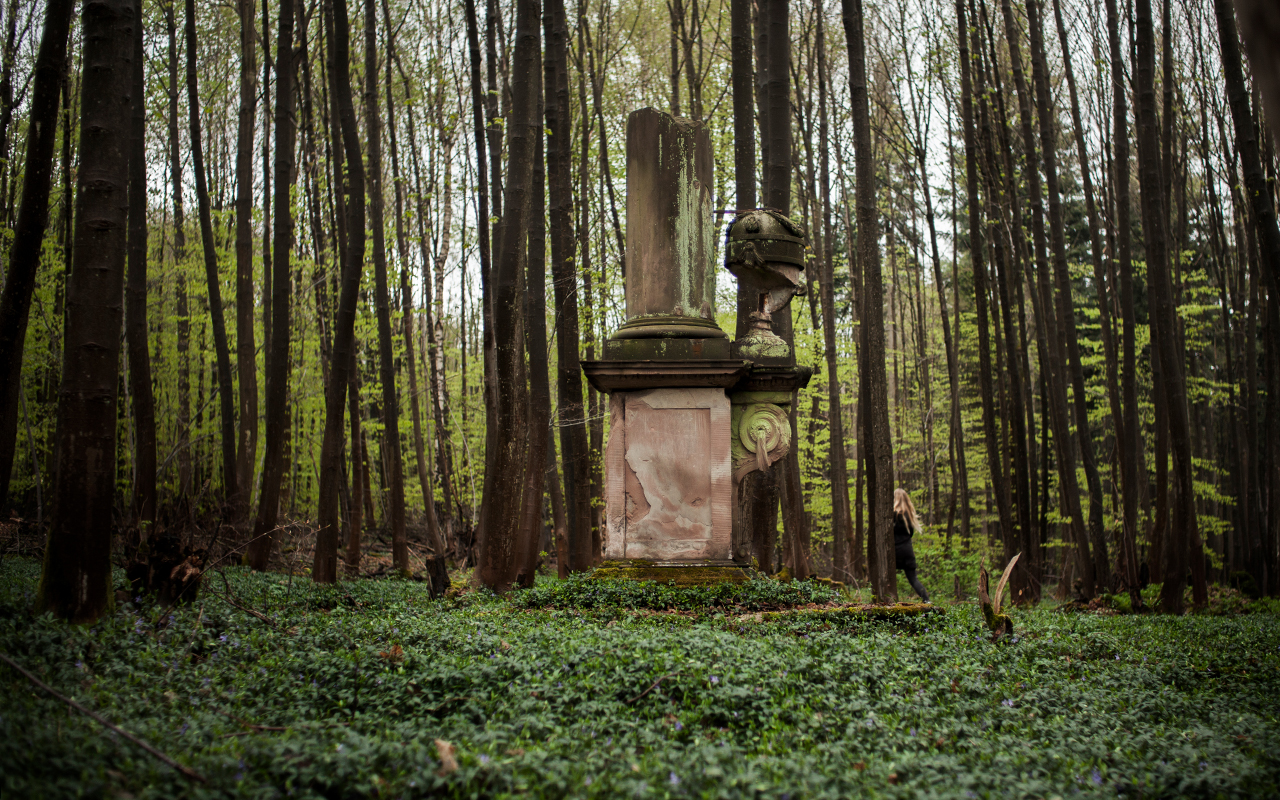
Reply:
x=690, y=413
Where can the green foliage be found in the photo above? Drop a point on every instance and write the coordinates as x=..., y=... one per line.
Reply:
x=759, y=594
x=354, y=684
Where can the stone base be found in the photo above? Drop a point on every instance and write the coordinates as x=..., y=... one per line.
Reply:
x=691, y=573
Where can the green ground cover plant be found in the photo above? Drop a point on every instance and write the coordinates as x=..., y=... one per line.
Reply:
x=344, y=691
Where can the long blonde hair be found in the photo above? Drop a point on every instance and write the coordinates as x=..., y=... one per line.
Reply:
x=902, y=505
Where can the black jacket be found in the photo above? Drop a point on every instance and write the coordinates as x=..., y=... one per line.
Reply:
x=904, y=555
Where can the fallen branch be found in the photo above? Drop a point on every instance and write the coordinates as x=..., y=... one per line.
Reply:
x=187, y=771
x=655, y=684
x=251, y=612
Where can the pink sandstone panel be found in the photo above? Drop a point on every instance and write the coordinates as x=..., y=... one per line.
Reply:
x=667, y=482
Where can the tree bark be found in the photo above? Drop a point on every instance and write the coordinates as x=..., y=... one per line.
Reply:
x=325, y=567
x=75, y=582
x=183, y=322
x=1046, y=114
x=222, y=353
x=841, y=519
x=1262, y=204
x=33, y=215
x=382, y=298
x=744, y=120
x=144, y=413
x=880, y=478
x=571, y=416
x=259, y=551
x=1183, y=530
x=503, y=521
x=246, y=353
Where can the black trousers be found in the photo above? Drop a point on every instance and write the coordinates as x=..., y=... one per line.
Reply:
x=915, y=584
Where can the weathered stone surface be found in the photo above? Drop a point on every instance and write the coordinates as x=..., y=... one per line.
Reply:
x=670, y=170
x=612, y=376
x=666, y=349
x=669, y=488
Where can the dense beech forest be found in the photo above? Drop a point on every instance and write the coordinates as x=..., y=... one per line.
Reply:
x=310, y=284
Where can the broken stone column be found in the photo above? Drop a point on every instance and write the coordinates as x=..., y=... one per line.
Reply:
x=668, y=462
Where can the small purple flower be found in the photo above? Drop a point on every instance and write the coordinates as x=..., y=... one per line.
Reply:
x=714, y=679
x=1097, y=777
x=675, y=779
x=679, y=725
x=913, y=731
x=1008, y=703
x=79, y=665
x=484, y=759
x=586, y=781
x=223, y=637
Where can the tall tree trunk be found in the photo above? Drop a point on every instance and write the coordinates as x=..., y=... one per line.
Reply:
x=502, y=525
x=1183, y=530
x=744, y=120
x=482, y=205
x=991, y=410
x=880, y=478
x=1046, y=114
x=183, y=323
x=75, y=582
x=1056, y=373
x=1262, y=204
x=382, y=299
x=144, y=413
x=434, y=537
x=1128, y=430
x=572, y=424
x=33, y=215
x=535, y=339
x=841, y=519
x=246, y=353
x=277, y=420
x=325, y=568
x=222, y=352
x=267, y=289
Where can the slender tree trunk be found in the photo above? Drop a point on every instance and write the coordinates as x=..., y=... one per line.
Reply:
x=434, y=537
x=841, y=520
x=75, y=582
x=571, y=417
x=182, y=311
x=144, y=413
x=325, y=568
x=744, y=120
x=1053, y=345
x=502, y=525
x=991, y=410
x=277, y=419
x=1262, y=204
x=222, y=352
x=1183, y=530
x=1128, y=428
x=267, y=289
x=880, y=478
x=246, y=355
x=386, y=357
x=1066, y=311
x=535, y=338
x=28, y=233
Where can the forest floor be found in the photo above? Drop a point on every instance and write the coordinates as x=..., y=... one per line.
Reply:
x=371, y=689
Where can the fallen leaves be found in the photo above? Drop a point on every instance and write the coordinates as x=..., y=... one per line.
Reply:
x=448, y=760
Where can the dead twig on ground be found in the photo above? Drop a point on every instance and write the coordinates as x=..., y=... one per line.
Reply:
x=187, y=771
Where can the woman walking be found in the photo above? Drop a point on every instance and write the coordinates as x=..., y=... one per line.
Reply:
x=904, y=527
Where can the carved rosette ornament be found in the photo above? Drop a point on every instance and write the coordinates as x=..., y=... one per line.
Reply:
x=763, y=436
